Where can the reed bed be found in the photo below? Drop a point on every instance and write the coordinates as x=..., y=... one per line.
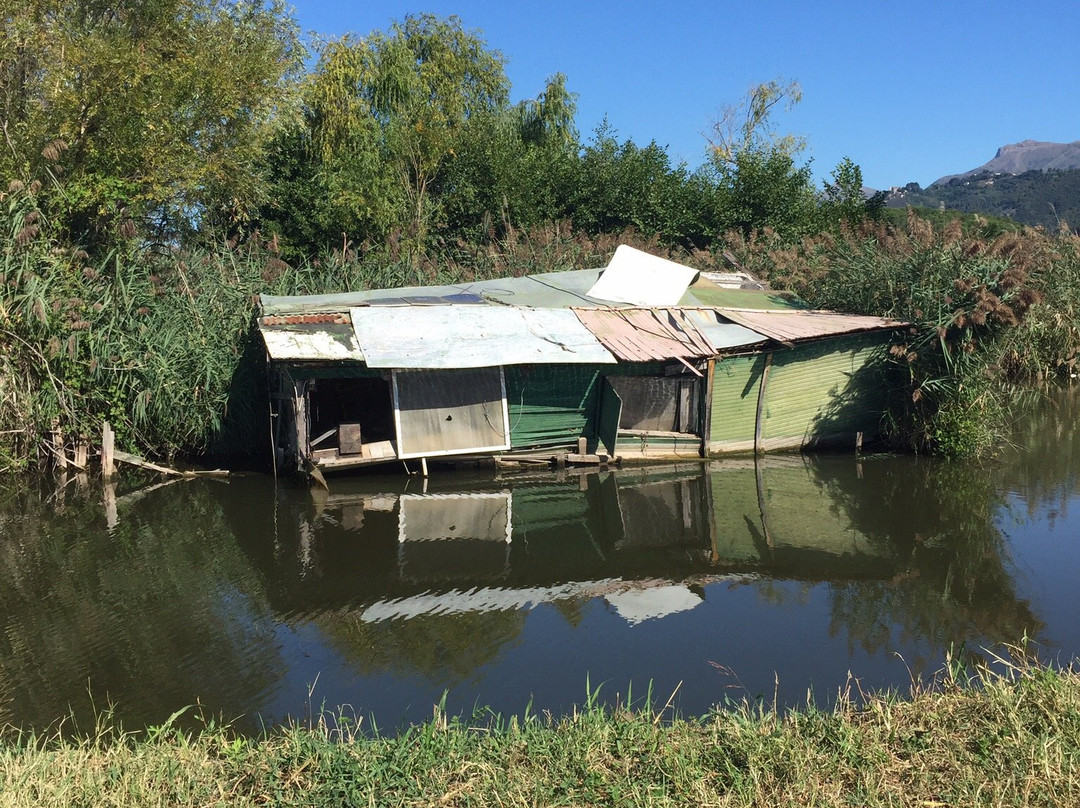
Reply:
x=1008, y=737
x=159, y=340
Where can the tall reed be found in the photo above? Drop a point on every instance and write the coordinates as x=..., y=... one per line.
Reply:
x=160, y=340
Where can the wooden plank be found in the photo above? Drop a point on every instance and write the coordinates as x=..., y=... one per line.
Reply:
x=135, y=460
x=589, y=459
x=108, y=444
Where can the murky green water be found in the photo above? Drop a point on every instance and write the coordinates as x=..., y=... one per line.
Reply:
x=263, y=603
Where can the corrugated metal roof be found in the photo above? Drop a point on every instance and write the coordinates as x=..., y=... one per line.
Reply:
x=436, y=337
x=641, y=334
x=707, y=293
x=549, y=290
x=720, y=333
x=793, y=325
x=457, y=298
x=641, y=279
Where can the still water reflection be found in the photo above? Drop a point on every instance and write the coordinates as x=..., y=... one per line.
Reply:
x=735, y=579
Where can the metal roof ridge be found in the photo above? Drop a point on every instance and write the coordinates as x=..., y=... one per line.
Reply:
x=832, y=312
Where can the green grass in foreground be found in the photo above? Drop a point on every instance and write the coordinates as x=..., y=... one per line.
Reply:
x=1014, y=740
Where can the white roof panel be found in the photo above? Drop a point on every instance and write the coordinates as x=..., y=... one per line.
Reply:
x=440, y=337
x=640, y=279
x=310, y=344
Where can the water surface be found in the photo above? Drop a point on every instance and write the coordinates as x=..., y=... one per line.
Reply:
x=264, y=603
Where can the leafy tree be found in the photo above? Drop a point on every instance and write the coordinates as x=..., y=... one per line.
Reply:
x=749, y=126
x=383, y=116
x=844, y=200
x=622, y=185
x=758, y=182
x=513, y=167
x=144, y=117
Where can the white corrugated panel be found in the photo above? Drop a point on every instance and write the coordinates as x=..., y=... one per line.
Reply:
x=641, y=279
x=444, y=337
x=310, y=344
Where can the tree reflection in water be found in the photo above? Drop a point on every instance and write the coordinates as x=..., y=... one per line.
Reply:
x=238, y=595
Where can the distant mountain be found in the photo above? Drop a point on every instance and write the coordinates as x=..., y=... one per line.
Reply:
x=1028, y=155
x=1031, y=182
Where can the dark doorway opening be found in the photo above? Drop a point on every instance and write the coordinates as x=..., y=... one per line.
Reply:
x=362, y=405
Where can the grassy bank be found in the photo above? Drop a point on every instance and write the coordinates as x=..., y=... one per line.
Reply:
x=1014, y=740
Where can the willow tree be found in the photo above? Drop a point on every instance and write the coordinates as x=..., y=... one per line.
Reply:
x=513, y=168
x=759, y=183
x=146, y=115
x=387, y=111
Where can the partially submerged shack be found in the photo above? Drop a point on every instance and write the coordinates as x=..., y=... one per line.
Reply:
x=643, y=359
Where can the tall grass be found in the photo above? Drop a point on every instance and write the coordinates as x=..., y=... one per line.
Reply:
x=160, y=340
x=1009, y=735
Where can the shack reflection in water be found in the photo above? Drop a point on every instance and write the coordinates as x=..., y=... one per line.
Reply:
x=266, y=603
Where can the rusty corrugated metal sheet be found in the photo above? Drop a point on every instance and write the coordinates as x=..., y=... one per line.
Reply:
x=338, y=318
x=643, y=335
x=794, y=325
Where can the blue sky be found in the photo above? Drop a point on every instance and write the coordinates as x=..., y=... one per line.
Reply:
x=910, y=91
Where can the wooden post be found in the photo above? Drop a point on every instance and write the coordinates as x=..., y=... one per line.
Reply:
x=706, y=429
x=56, y=442
x=108, y=444
x=303, y=448
x=423, y=466
x=82, y=453
x=761, y=404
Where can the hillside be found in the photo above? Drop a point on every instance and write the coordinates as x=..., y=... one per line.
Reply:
x=1031, y=182
x=1036, y=198
x=1019, y=158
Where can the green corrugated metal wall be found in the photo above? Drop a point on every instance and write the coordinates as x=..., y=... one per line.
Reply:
x=784, y=517
x=553, y=405
x=550, y=405
x=817, y=392
x=734, y=403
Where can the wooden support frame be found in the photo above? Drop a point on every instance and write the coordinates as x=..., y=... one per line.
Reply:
x=761, y=404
